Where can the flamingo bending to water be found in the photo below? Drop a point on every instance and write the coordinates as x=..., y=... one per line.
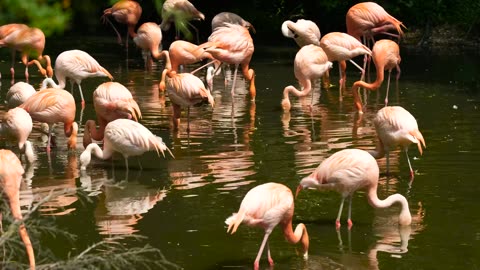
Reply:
x=350, y=170
x=125, y=12
x=267, y=206
x=17, y=126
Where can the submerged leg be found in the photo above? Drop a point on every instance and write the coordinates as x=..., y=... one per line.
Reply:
x=234, y=80
x=256, y=264
x=349, y=220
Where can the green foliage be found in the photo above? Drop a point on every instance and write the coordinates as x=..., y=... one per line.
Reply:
x=48, y=15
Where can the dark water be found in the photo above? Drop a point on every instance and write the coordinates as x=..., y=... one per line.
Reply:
x=181, y=204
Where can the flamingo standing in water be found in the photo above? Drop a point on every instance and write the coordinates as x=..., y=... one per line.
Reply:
x=127, y=137
x=304, y=32
x=53, y=106
x=17, y=126
x=342, y=47
x=364, y=20
x=149, y=39
x=232, y=44
x=267, y=206
x=125, y=12
x=350, y=170
x=111, y=101
x=20, y=37
x=18, y=93
x=395, y=126
x=11, y=172
x=311, y=63
x=386, y=55
x=184, y=90
x=179, y=12
x=76, y=65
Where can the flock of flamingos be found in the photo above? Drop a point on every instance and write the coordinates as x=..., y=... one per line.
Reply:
x=266, y=205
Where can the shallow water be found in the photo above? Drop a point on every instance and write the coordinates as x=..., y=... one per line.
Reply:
x=180, y=204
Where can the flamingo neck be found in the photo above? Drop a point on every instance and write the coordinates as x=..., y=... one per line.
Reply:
x=52, y=83
x=71, y=131
x=379, y=151
x=299, y=235
x=405, y=218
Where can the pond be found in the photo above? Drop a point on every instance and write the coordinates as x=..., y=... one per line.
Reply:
x=180, y=204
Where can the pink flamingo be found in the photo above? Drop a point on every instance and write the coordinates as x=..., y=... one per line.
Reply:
x=266, y=206
x=17, y=126
x=125, y=12
x=368, y=19
x=342, y=47
x=127, y=137
x=11, y=172
x=149, y=39
x=228, y=17
x=304, y=32
x=76, y=65
x=20, y=37
x=350, y=170
x=311, y=63
x=18, y=93
x=395, y=126
x=184, y=90
x=386, y=55
x=111, y=101
x=53, y=106
x=232, y=44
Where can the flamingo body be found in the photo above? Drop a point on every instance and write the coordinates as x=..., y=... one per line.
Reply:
x=127, y=137
x=350, y=170
x=267, y=206
x=17, y=126
x=228, y=17
x=395, y=127
x=18, y=93
x=310, y=63
x=53, y=106
x=304, y=32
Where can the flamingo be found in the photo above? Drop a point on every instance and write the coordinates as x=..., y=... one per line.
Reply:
x=76, y=65
x=20, y=37
x=350, y=170
x=184, y=90
x=368, y=18
x=266, y=206
x=111, y=101
x=125, y=12
x=232, y=44
x=18, y=93
x=311, y=63
x=228, y=17
x=11, y=172
x=179, y=12
x=17, y=126
x=395, y=126
x=304, y=32
x=53, y=106
x=149, y=39
x=341, y=47
x=127, y=137
x=386, y=55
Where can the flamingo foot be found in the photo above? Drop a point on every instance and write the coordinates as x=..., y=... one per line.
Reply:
x=270, y=261
x=350, y=224
x=337, y=224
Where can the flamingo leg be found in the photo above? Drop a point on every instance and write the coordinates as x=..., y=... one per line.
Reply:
x=50, y=130
x=139, y=163
x=256, y=263
x=388, y=87
x=126, y=165
x=341, y=82
x=188, y=119
x=337, y=221
x=388, y=161
x=12, y=69
x=349, y=220
x=81, y=95
x=234, y=79
x=409, y=164
x=269, y=256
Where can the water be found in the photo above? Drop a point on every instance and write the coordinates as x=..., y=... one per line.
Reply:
x=180, y=204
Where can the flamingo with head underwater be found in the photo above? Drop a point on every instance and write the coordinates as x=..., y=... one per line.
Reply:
x=350, y=170
x=267, y=206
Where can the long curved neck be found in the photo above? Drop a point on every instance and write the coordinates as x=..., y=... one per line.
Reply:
x=371, y=86
x=379, y=151
x=307, y=87
x=405, y=218
x=52, y=83
x=300, y=234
